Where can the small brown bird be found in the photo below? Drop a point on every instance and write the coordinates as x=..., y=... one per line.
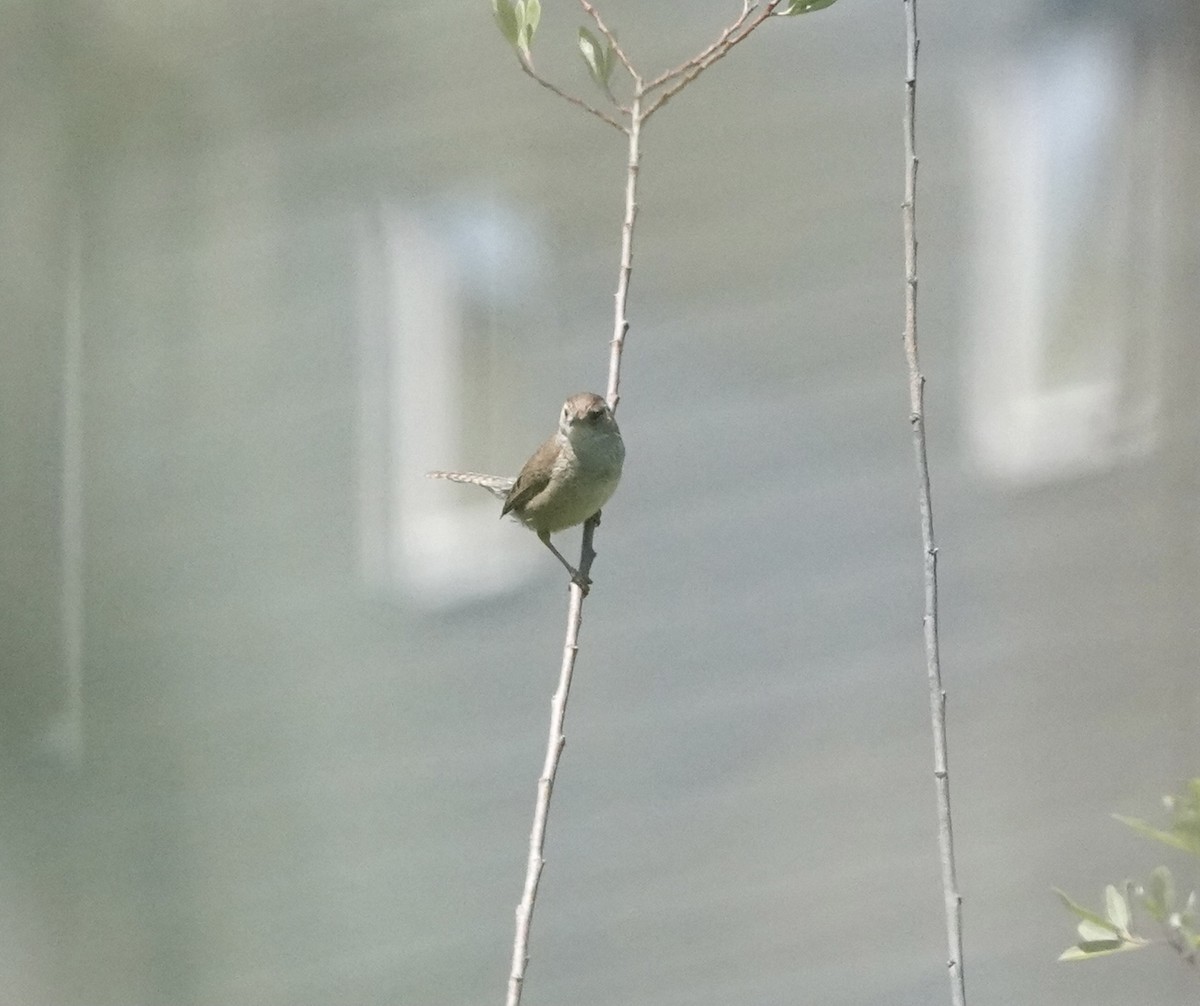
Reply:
x=567, y=480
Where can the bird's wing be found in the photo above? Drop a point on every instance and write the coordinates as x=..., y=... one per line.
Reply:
x=534, y=477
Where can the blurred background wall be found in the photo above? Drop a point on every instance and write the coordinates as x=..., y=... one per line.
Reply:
x=273, y=707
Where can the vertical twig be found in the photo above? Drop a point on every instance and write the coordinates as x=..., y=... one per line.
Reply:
x=916, y=394
x=621, y=297
x=638, y=111
x=541, y=813
x=558, y=704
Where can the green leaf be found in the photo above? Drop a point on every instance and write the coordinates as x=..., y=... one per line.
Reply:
x=599, y=58
x=1117, y=909
x=593, y=55
x=1159, y=897
x=529, y=12
x=1176, y=838
x=507, y=20
x=1093, y=932
x=1184, y=831
x=1097, y=948
x=804, y=7
x=609, y=63
x=1086, y=914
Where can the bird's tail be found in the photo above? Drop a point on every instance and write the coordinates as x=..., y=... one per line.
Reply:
x=497, y=485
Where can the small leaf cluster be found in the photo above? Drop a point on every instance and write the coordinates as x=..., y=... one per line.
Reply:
x=1115, y=930
x=518, y=21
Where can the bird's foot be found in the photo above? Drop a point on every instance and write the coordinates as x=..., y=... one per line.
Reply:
x=581, y=581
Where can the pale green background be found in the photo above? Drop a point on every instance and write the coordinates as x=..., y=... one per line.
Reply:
x=293, y=789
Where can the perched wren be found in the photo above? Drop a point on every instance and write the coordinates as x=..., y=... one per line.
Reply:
x=568, y=479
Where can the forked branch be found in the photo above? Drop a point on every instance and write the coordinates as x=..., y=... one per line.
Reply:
x=518, y=21
x=677, y=79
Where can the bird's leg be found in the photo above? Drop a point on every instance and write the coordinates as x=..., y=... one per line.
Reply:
x=577, y=578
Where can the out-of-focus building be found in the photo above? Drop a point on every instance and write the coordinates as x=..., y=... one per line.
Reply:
x=274, y=705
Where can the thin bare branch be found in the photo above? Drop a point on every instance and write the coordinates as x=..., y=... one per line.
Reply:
x=916, y=390
x=701, y=56
x=682, y=76
x=558, y=705
x=578, y=102
x=625, y=269
x=638, y=112
x=612, y=40
x=545, y=788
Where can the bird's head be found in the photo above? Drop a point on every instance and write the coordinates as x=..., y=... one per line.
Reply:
x=585, y=414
